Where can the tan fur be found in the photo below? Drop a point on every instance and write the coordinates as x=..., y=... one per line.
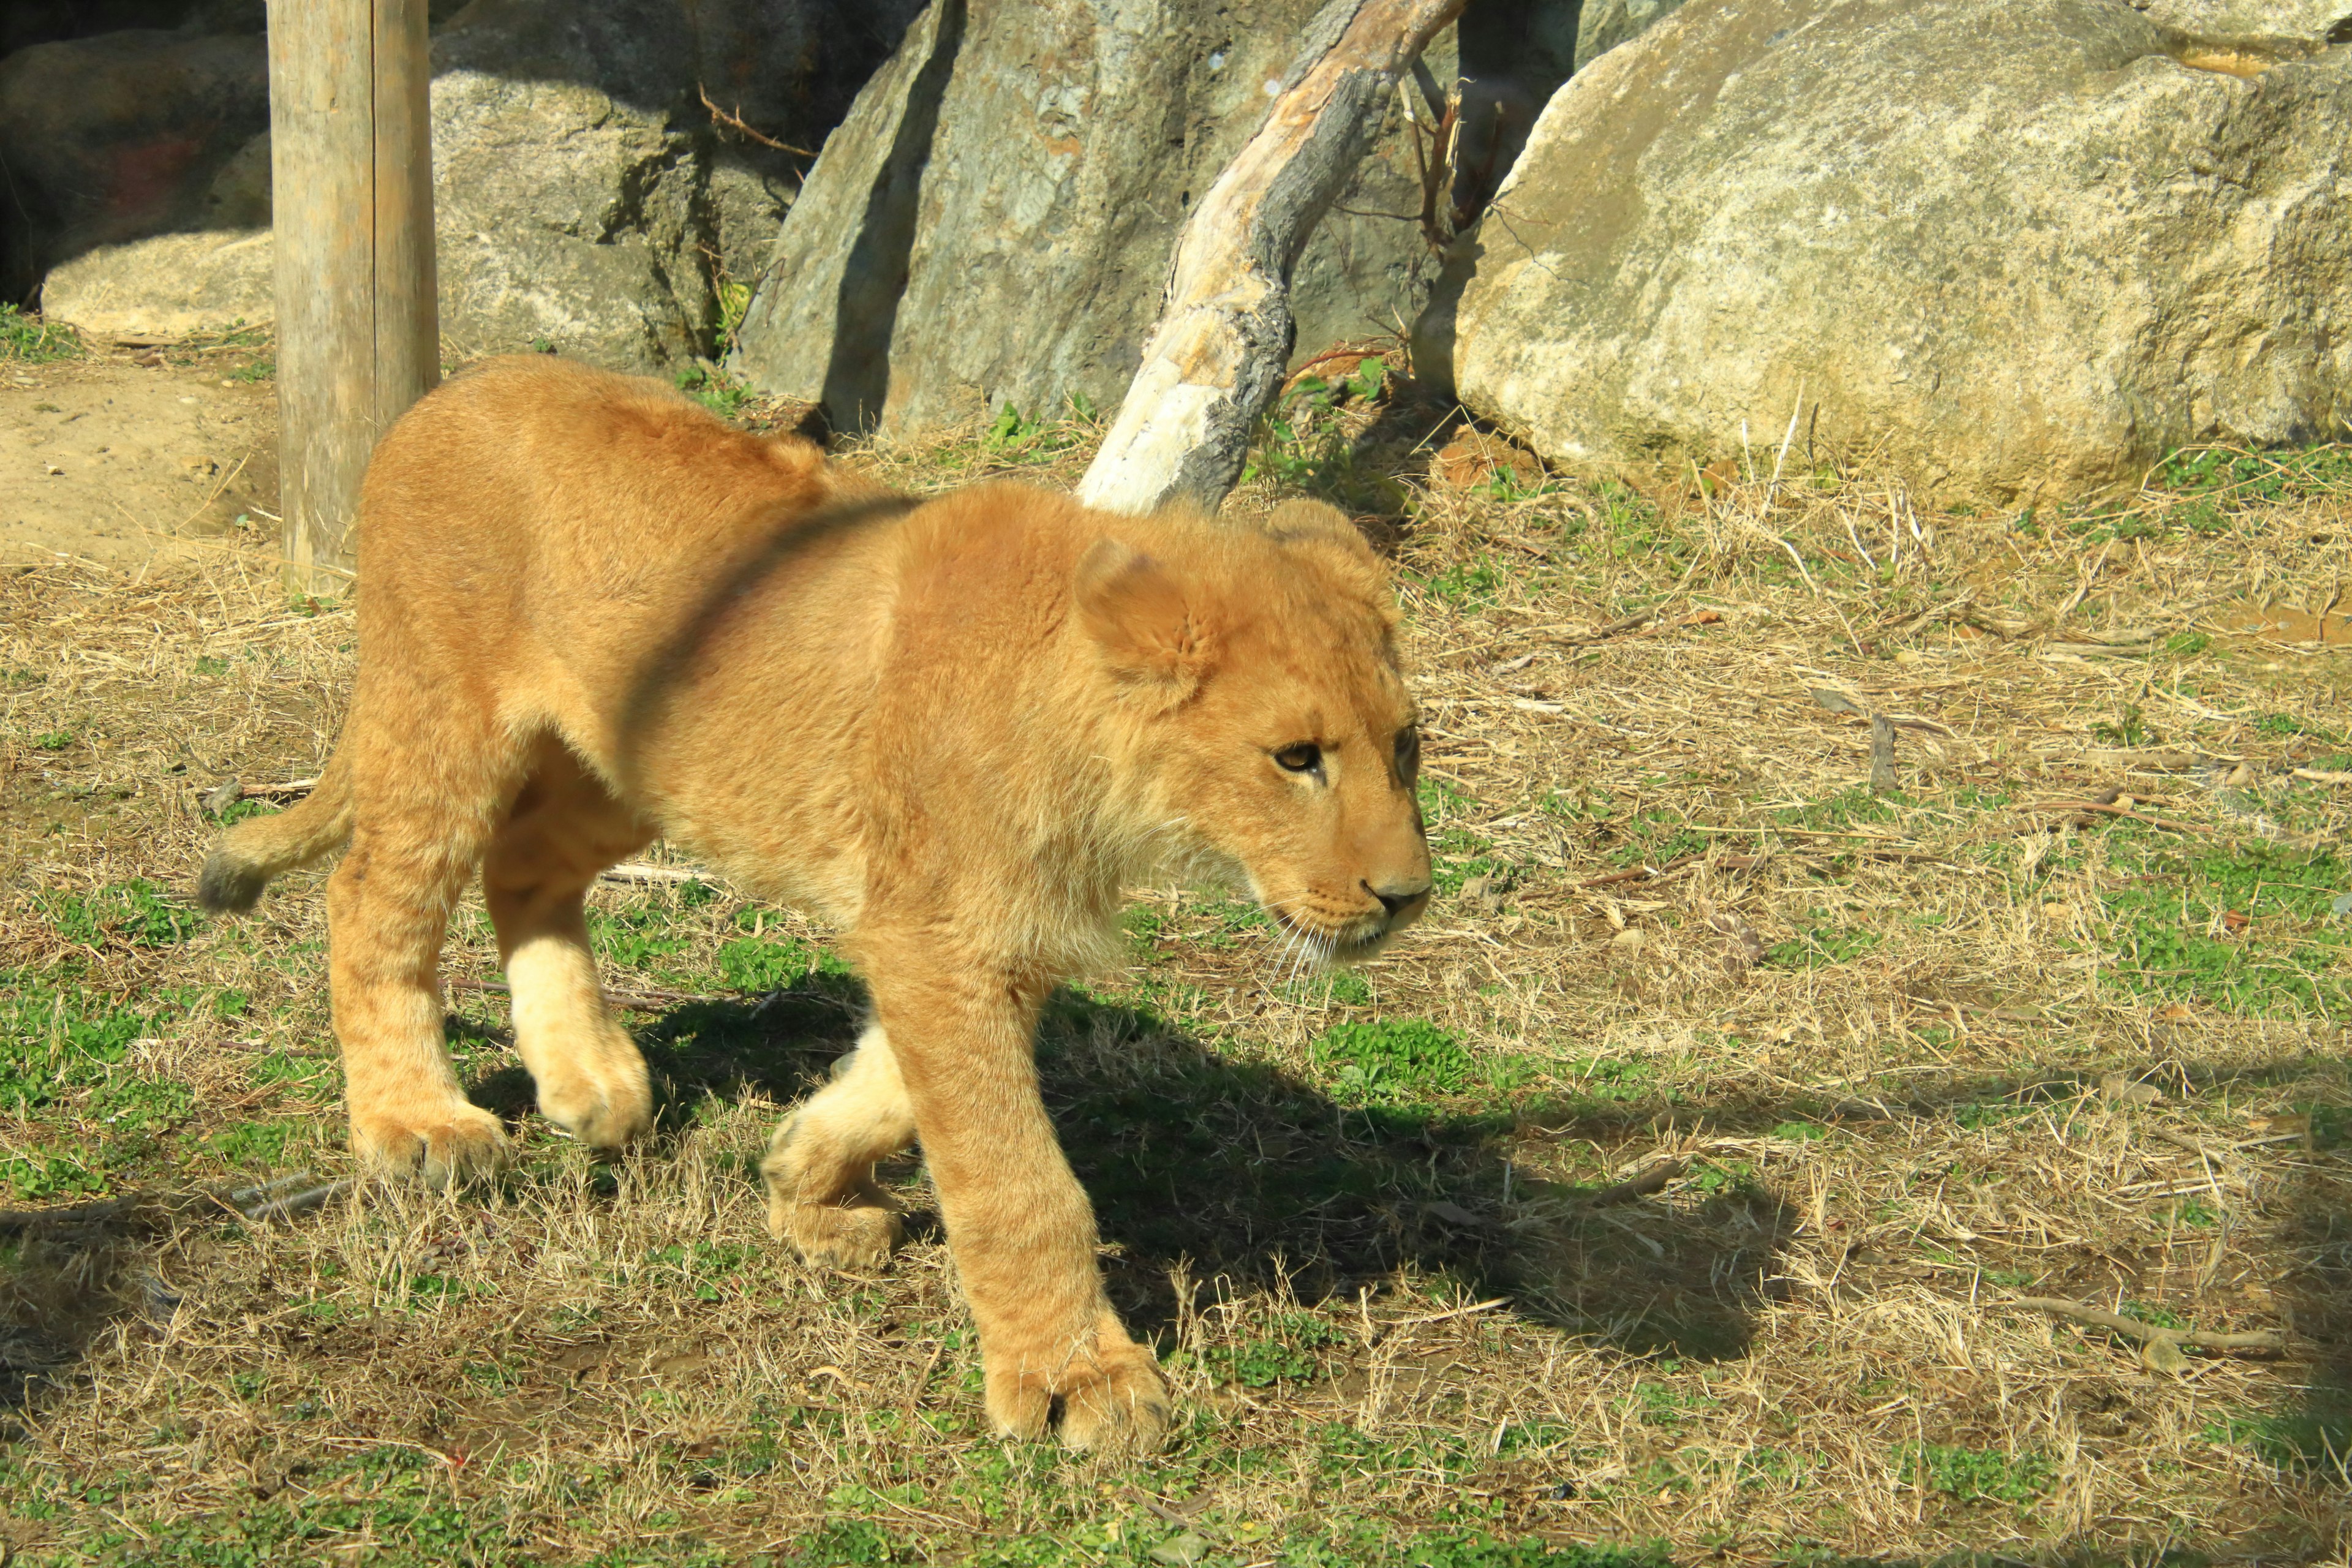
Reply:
x=590, y=613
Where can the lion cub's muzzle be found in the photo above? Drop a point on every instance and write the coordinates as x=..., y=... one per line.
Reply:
x=1352, y=939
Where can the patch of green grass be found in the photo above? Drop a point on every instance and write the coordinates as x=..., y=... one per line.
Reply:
x=424, y=1290
x=260, y=1145
x=2317, y=1439
x=1847, y=808
x=1629, y=528
x=1393, y=1060
x=2288, y=724
x=698, y=1267
x=2190, y=1214
x=732, y=299
x=2239, y=477
x=1981, y=1474
x=1017, y=437
x=1821, y=945
x=33, y=340
x=2170, y=929
x=1146, y=928
x=1285, y=1352
x=1655, y=835
x=1612, y=1079
x=1659, y=1404
x=641, y=938
x=316, y=1076
x=1348, y=987
x=1457, y=853
x=1472, y=584
x=61, y=1050
x=719, y=394
x=54, y=740
x=134, y=913
x=1303, y=445
x=756, y=965
x=1231, y=920
x=1734, y=1178
x=37, y=1175
x=260, y=370
x=2128, y=728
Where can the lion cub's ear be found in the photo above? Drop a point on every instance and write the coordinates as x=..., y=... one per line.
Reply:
x=1151, y=635
x=1300, y=521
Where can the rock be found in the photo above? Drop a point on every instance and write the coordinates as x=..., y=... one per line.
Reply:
x=581, y=199
x=165, y=286
x=2011, y=250
x=1605, y=23
x=994, y=222
x=108, y=138
x=2314, y=21
x=585, y=195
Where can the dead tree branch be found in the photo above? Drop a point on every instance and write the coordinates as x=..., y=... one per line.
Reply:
x=1225, y=329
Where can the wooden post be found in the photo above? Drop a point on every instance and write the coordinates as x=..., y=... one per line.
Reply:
x=1225, y=328
x=358, y=335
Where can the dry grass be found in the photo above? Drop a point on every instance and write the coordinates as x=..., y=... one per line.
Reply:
x=1904, y=1056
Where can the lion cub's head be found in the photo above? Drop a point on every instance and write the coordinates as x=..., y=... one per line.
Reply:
x=1260, y=665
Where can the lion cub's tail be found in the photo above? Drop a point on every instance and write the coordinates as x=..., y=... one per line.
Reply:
x=251, y=853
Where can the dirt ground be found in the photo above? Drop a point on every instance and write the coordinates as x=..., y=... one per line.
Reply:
x=130, y=454
x=1760, y=1155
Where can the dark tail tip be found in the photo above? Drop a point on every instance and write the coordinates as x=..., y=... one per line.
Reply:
x=229, y=886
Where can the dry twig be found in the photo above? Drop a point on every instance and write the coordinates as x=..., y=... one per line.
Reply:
x=2259, y=1340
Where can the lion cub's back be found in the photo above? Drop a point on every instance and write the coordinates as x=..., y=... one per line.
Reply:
x=553, y=494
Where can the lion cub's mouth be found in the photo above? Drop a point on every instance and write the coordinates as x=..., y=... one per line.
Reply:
x=1323, y=946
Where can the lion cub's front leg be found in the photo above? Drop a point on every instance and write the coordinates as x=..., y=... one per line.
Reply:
x=822, y=1196
x=1019, y=1225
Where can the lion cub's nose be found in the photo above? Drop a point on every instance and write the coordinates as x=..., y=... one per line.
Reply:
x=1401, y=903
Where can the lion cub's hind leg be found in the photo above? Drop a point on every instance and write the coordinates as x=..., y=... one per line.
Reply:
x=564, y=829
x=822, y=1195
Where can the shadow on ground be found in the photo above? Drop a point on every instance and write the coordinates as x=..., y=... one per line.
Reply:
x=1241, y=1173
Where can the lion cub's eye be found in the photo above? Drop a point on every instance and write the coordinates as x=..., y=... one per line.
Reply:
x=1306, y=757
x=1408, y=752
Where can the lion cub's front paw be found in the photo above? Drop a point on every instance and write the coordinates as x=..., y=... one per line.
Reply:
x=604, y=1100
x=449, y=1143
x=859, y=1232
x=1113, y=1401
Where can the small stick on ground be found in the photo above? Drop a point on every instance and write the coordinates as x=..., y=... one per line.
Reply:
x=2105, y=809
x=1450, y=1312
x=1652, y=1179
x=2259, y=1340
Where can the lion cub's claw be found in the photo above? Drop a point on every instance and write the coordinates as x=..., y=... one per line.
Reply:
x=859, y=1239
x=858, y=1233
x=457, y=1143
x=1116, y=1405
x=602, y=1108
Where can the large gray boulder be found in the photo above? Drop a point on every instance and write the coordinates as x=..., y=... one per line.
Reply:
x=994, y=222
x=585, y=195
x=108, y=138
x=2314, y=21
x=1605, y=23
x=2010, y=249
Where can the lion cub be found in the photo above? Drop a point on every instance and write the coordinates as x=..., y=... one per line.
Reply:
x=590, y=613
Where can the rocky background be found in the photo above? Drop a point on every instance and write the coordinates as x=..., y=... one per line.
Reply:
x=2003, y=249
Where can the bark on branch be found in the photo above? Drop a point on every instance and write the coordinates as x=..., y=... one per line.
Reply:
x=1225, y=328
